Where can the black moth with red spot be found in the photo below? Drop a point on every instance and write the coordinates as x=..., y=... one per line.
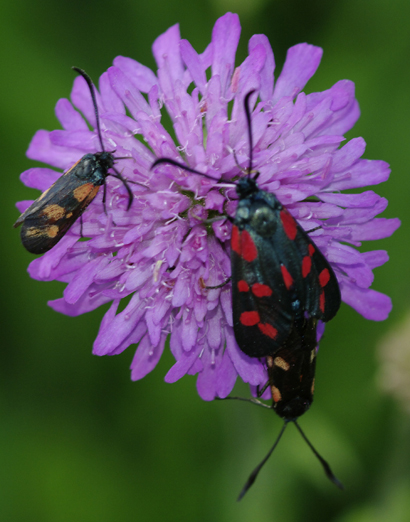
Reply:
x=48, y=218
x=282, y=285
x=278, y=273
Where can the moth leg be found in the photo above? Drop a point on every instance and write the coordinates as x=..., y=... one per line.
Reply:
x=81, y=226
x=313, y=229
x=219, y=286
x=261, y=391
x=253, y=401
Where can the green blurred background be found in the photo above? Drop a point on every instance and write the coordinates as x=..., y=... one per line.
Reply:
x=78, y=439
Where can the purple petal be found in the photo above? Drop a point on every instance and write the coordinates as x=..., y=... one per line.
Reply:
x=182, y=366
x=250, y=370
x=141, y=76
x=146, y=357
x=41, y=149
x=301, y=63
x=194, y=64
x=375, y=258
x=377, y=228
x=348, y=154
x=70, y=119
x=266, y=74
x=39, y=178
x=369, y=303
x=87, y=303
x=361, y=174
x=166, y=52
x=225, y=39
x=110, y=100
x=83, y=279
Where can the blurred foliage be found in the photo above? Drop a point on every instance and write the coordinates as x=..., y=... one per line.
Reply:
x=78, y=439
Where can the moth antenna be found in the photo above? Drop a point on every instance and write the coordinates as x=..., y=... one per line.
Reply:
x=180, y=165
x=248, y=120
x=126, y=185
x=254, y=474
x=325, y=465
x=92, y=91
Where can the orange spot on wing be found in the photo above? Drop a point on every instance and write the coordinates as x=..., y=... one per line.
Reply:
x=52, y=231
x=54, y=212
x=276, y=395
x=289, y=224
x=281, y=363
x=83, y=191
x=311, y=249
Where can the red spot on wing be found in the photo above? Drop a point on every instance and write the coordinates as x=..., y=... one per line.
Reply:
x=268, y=329
x=287, y=278
x=236, y=240
x=306, y=266
x=249, y=251
x=261, y=290
x=243, y=286
x=311, y=249
x=322, y=302
x=289, y=224
x=249, y=318
x=324, y=277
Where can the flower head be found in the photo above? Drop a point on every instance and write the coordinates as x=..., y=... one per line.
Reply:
x=159, y=255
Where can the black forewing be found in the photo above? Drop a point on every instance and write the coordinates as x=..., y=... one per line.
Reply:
x=285, y=309
x=46, y=221
x=62, y=186
x=330, y=301
x=274, y=310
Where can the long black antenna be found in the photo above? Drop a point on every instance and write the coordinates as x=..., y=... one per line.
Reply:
x=254, y=474
x=170, y=161
x=325, y=465
x=92, y=91
x=248, y=120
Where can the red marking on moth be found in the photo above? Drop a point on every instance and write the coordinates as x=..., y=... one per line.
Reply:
x=249, y=252
x=249, y=318
x=306, y=266
x=243, y=286
x=289, y=224
x=322, y=302
x=311, y=249
x=261, y=290
x=268, y=329
x=236, y=240
x=324, y=277
x=287, y=278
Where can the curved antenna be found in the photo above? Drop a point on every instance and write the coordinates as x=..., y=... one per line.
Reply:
x=254, y=474
x=181, y=166
x=91, y=87
x=248, y=120
x=325, y=465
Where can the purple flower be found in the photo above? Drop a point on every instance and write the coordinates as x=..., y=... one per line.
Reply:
x=159, y=255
